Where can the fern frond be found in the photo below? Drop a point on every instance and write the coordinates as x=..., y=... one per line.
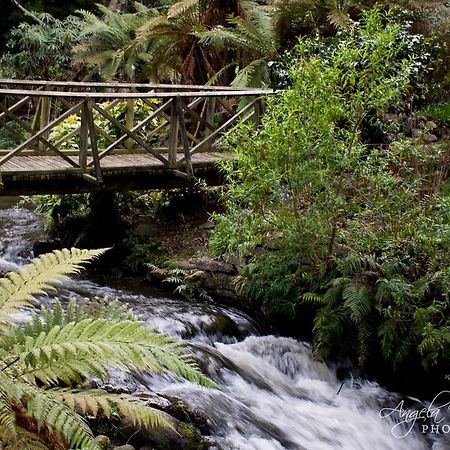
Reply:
x=17, y=289
x=93, y=346
x=181, y=7
x=51, y=413
x=340, y=19
x=358, y=300
x=8, y=430
x=97, y=401
x=313, y=298
x=57, y=316
x=28, y=441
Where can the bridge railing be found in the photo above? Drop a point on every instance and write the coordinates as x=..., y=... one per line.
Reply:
x=84, y=123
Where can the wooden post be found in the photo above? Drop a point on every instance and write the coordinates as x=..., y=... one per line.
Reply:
x=173, y=134
x=44, y=118
x=184, y=139
x=129, y=120
x=93, y=139
x=210, y=114
x=257, y=114
x=84, y=134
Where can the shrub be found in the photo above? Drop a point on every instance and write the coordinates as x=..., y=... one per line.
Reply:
x=360, y=231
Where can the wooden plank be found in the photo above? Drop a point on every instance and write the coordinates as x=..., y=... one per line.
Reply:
x=76, y=130
x=198, y=117
x=16, y=105
x=84, y=135
x=129, y=120
x=44, y=119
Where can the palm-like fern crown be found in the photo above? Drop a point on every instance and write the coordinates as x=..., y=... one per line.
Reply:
x=64, y=347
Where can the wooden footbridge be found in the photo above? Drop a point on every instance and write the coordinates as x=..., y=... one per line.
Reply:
x=68, y=137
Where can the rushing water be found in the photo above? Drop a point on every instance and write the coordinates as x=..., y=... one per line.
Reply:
x=273, y=395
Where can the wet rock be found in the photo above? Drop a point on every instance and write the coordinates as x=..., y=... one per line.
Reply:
x=430, y=138
x=222, y=324
x=180, y=436
x=153, y=400
x=207, y=264
x=156, y=275
x=199, y=275
x=103, y=441
x=415, y=132
x=182, y=412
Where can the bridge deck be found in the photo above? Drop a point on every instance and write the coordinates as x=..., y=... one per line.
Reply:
x=32, y=174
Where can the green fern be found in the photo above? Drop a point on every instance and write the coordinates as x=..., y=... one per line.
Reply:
x=17, y=289
x=65, y=347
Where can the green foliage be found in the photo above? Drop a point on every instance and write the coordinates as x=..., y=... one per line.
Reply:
x=439, y=112
x=55, y=208
x=46, y=359
x=187, y=284
x=41, y=50
x=358, y=231
x=141, y=250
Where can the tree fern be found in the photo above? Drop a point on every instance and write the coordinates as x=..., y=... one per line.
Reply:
x=60, y=347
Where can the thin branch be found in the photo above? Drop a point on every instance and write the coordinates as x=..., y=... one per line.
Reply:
x=26, y=12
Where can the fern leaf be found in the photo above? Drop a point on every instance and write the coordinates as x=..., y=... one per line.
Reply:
x=313, y=298
x=17, y=289
x=92, y=346
x=358, y=300
x=28, y=441
x=181, y=7
x=97, y=401
x=340, y=19
x=48, y=411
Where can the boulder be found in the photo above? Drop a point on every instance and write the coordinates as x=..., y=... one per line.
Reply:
x=207, y=264
x=103, y=441
x=430, y=125
x=180, y=436
x=153, y=400
x=415, y=132
x=430, y=138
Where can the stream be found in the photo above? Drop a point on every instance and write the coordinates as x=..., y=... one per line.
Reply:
x=273, y=395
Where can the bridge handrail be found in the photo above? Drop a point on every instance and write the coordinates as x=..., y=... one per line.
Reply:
x=121, y=85
x=136, y=95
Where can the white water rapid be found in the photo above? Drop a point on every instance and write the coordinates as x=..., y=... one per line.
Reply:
x=273, y=395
